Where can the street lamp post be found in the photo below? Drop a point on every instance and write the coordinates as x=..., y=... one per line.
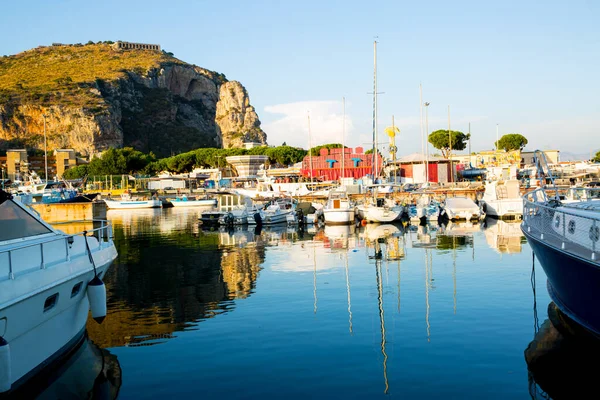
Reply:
x=45, y=150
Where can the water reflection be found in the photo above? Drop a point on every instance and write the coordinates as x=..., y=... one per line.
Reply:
x=504, y=236
x=88, y=373
x=560, y=359
x=336, y=283
x=387, y=243
x=170, y=275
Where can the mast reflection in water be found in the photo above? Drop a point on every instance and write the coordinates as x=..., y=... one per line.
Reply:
x=360, y=312
x=170, y=274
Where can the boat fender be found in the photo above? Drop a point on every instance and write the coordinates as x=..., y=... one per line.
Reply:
x=97, y=297
x=257, y=218
x=363, y=222
x=5, y=376
x=300, y=216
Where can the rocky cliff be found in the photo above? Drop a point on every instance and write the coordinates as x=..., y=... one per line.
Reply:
x=94, y=97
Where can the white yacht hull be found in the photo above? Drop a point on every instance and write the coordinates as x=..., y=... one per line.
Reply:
x=275, y=218
x=194, y=203
x=339, y=216
x=503, y=208
x=36, y=336
x=132, y=204
x=381, y=214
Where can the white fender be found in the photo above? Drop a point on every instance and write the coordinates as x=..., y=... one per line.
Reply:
x=96, y=291
x=5, y=380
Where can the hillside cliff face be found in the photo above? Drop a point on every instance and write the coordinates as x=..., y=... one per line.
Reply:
x=164, y=106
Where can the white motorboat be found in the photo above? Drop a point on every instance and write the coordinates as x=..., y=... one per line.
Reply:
x=128, y=202
x=461, y=208
x=311, y=211
x=241, y=214
x=338, y=209
x=49, y=281
x=383, y=210
x=502, y=199
x=425, y=209
x=276, y=211
x=191, y=201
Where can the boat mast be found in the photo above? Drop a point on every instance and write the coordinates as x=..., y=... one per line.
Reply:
x=421, y=127
x=310, y=153
x=375, y=166
x=470, y=158
x=343, y=139
x=450, y=148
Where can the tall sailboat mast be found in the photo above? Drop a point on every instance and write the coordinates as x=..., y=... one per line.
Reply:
x=310, y=161
x=375, y=166
x=421, y=126
x=343, y=139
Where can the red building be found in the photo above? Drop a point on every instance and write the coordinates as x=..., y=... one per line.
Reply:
x=411, y=169
x=328, y=164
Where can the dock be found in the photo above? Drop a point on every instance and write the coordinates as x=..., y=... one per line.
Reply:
x=65, y=212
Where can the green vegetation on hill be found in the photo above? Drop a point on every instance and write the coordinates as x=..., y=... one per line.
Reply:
x=64, y=74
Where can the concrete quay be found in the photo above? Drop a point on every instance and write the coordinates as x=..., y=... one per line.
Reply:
x=66, y=212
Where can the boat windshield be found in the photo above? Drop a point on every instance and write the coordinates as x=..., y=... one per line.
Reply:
x=16, y=223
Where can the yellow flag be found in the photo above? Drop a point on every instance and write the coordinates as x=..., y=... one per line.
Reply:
x=392, y=131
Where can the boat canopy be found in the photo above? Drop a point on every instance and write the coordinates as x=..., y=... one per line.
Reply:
x=17, y=223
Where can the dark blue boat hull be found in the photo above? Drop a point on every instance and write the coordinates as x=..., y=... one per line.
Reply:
x=573, y=283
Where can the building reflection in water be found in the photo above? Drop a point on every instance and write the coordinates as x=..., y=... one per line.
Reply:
x=504, y=236
x=170, y=274
x=89, y=372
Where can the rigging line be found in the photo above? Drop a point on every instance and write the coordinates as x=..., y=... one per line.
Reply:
x=87, y=246
x=349, y=302
x=536, y=325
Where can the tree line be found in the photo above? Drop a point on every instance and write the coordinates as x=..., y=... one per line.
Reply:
x=130, y=161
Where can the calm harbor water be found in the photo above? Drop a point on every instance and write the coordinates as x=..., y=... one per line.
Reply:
x=348, y=312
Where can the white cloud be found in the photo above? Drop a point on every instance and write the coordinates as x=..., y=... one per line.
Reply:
x=326, y=123
x=571, y=135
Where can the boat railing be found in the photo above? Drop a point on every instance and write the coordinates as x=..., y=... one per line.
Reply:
x=569, y=230
x=46, y=253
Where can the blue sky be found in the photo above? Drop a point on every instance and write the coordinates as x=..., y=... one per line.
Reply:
x=531, y=67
